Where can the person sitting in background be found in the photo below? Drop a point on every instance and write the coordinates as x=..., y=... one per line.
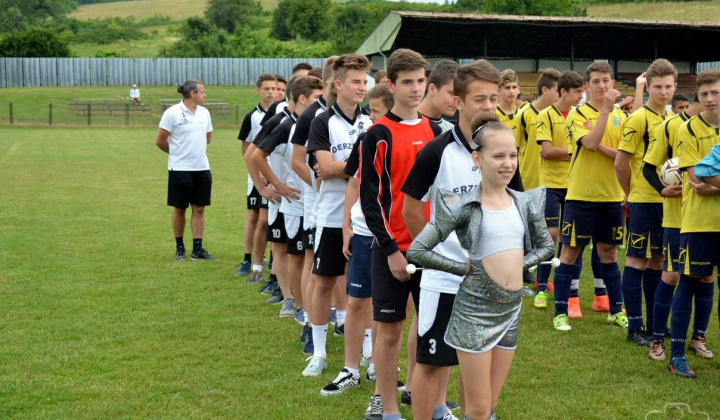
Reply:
x=135, y=95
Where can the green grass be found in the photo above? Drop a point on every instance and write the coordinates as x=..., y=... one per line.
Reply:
x=97, y=320
x=31, y=105
x=706, y=11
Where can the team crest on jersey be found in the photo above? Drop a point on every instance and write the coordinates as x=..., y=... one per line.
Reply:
x=616, y=122
x=360, y=126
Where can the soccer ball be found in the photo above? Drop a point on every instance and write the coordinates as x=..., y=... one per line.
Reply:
x=670, y=173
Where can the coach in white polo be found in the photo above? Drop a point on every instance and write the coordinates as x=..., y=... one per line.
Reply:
x=185, y=130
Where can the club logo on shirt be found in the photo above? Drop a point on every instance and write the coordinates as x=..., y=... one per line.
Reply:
x=463, y=189
x=616, y=122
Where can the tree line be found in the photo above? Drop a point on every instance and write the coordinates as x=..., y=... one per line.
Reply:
x=240, y=28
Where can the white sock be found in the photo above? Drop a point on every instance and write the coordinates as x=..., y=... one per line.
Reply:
x=367, y=343
x=319, y=335
x=371, y=368
x=257, y=267
x=599, y=283
x=340, y=317
x=305, y=316
x=574, y=284
x=355, y=372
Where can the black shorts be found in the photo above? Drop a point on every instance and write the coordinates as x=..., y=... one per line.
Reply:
x=671, y=250
x=256, y=201
x=699, y=253
x=309, y=239
x=587, y=221
x=554, y=203
x=433, y=317
x=645, y=230
x=189, y=187
x=276, y=231
x=328, y=259
x=293, y=224
x=389, y=295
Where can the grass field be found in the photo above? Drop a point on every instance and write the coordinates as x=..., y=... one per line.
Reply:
x=98, y=320
x=704, y=11
x=31, y=105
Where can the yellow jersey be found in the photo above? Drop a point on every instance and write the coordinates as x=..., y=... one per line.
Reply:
x=528, y=148
x=551, y=127
x=638, y=129
x=507, y=119
x=592, y=174
x=663, y=146
x=699, y=213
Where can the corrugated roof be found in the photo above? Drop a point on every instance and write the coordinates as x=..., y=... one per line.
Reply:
x=460, y=35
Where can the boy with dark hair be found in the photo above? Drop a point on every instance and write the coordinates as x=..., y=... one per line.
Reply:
x=439, y=99
x=357, y=241
x=679, y=103
x=332, y=135
x=525, y=128
x=663, y=146
x=301, y=166
x=388, y=153
x=305, y=91
x=643, y=263
x=254, y=234
x=301, y=69
x=593, y=203
x=700, y=231
x=445, y=163
x=555, y=165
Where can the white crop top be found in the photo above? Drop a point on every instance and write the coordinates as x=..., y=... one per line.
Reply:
x=500, y=231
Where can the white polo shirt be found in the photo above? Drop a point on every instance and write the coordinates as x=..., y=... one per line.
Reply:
x=188, y=137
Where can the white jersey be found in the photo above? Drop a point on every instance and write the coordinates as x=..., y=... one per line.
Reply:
x=248, y=130
x=334, y=132
x=188, y=137
x=445, y=163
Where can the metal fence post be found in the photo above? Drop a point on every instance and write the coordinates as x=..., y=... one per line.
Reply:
x=50, y=114
x=11, y=113
x=88, y=112
x=127, y=114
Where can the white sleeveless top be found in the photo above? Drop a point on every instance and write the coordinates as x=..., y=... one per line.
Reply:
x=501, y=230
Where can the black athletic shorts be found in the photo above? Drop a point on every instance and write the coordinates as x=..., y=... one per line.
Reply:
x=276, y=231
x=433, y=317
x=294, y=224
x=389, y=295
x=189, y=187
x=328, y=259
x=256, y=201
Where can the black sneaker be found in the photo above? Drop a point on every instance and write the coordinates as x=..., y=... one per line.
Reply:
x=406, y=398
x=344, y=381
x=639, y=337
x=679, y=366
x=339, y=330
x=268, y=288
x=452, y=405
x=180, y=254
x=304, y=333
x=374, y=409
x=201, y=255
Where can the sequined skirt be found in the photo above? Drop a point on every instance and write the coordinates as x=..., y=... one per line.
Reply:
x=485, y=314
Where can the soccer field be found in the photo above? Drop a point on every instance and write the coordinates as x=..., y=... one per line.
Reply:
x=97, y=319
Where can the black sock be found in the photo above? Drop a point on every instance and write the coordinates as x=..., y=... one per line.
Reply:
x=272, y=277
x=248, y=258
x=197, y=244
x=271, y=257
x=179, y=242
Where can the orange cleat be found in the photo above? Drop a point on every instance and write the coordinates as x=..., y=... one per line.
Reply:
x=601, y=303
x=574, y=308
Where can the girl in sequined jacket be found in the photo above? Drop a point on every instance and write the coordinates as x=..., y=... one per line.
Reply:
x=503, y=231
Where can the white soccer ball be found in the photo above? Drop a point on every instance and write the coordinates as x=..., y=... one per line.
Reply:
x=670, y=173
